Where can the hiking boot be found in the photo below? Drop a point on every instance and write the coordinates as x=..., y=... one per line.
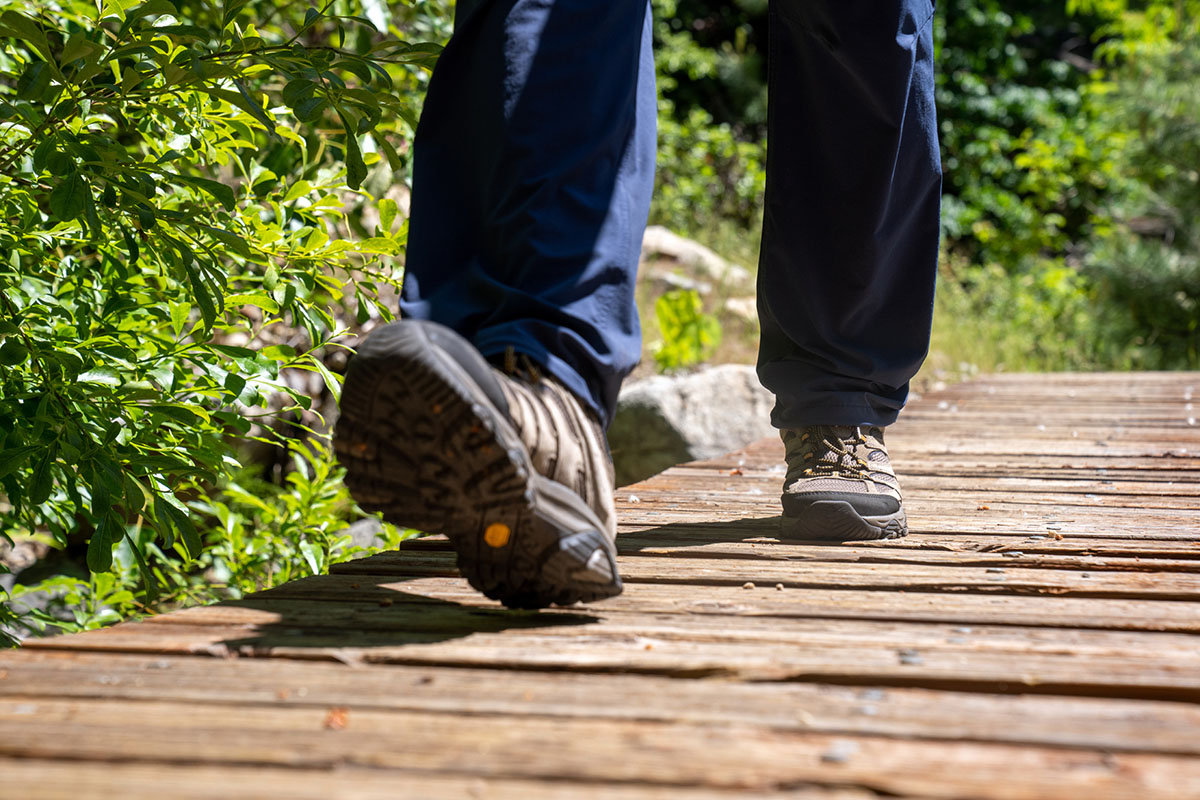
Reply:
x=840, y=485
x=510, y=467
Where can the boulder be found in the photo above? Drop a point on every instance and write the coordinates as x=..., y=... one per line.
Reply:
x=699, y=264
x=663, y=421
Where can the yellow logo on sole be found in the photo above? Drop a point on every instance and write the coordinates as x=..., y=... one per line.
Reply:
x=497, y=534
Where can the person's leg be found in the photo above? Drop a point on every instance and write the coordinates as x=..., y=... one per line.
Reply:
x=534, y=168
x=850, y=243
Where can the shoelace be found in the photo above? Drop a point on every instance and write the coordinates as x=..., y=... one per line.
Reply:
x=519, y=365
x=839, y=456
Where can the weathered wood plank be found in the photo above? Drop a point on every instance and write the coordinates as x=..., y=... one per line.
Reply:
x=731, y=756
x=731, y=541
x=754, y=538
x=130, y=780
x=1000, y=575
x=950, y=491
x=995, y=519
x=1165, y=666
x=1033, y=637
x=1077, y=722
x=968, y=609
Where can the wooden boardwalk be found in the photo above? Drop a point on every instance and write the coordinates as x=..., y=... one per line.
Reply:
x=1035, y=636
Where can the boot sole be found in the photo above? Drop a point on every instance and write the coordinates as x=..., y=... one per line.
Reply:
x=423, y=443
x=837, y=521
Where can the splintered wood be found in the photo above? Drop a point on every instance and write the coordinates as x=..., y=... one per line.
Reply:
x=1036, y=635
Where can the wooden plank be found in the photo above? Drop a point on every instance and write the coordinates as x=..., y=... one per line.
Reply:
x=733, y=756
x=1024, y=611
x=949, y=491
x=1033, y=637
x=973, y=473
x=1076, y=722
x=926, y=515
x=1002, y=575
x=730, y=541
x=795, y=565
x=1145, y=665
x=126, y=780
x=743, y=537
x=967, y=609
x=1177, y=447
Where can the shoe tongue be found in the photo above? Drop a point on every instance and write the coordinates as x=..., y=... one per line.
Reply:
x=845, y=432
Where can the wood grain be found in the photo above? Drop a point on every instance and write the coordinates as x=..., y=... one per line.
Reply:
x=1036, y=635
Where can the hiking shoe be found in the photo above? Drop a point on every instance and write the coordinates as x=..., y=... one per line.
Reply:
x=840, y=485
x=511, y=468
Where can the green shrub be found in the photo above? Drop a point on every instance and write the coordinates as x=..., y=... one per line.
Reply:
x=689, y=336
x=711, y=123
x=177, y=184
x=1043, y=318
x=1147, y=273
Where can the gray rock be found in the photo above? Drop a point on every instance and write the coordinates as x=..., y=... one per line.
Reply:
x=365, y=532
x=662, y=280
x=698, y=261
x=745, y=308
x=664, y=421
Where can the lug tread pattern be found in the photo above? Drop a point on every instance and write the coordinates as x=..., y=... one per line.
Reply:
x=429, y=453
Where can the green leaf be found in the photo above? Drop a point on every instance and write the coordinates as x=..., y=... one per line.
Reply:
x=131, y=246
x=387, y=215
x=408, y=115
x=332, y=383
x=137, y=496
x=220, y=192
x=150, y=8
x=297, y=91
x=393, y=158
x=379, y=244
x=34, y=82
x=179, y=316
x=11, y=460
x=363, y=313
x=260, y=300
x=108, y=474
x=204, y=298
x=43, y=480
x=185, y=414
x=311, y=109
x=242, y=100
x=231, y=11
x=105, y=376
x=42, y=152
x=20, y=26
x=180, y=521
x=313, y=556
x=233, y=352
x=100, y=546
x=148, y=578
x=231, y=240
x=60, y=164
x=356, y=170
x=146, y=217
x=79, y=46
x=279, y=352
x=69, y=198
x=12, y=352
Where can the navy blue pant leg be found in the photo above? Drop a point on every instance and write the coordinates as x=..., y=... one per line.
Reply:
x=850, y=237
x=534, y=167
